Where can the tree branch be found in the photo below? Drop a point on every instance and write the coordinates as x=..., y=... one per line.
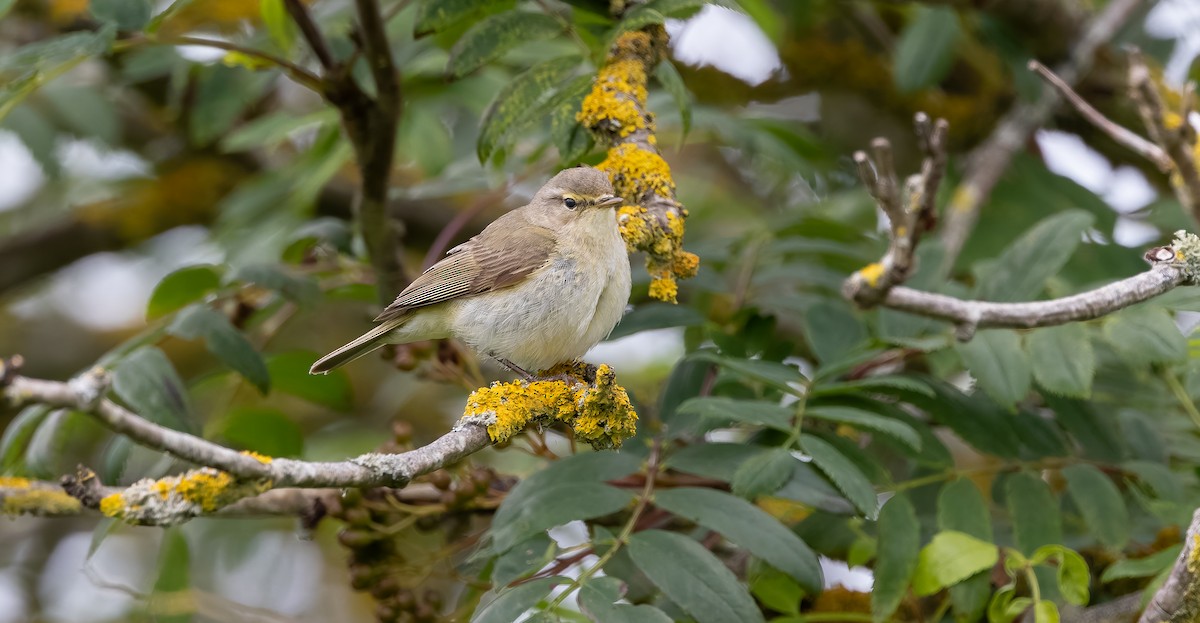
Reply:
x=987, y=162
x=1171, y=130
x=311, y=34
x=1179, y=598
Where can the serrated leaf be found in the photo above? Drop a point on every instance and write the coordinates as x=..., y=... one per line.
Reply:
x=748, y=526
x=961, y=507
x=890, y=385
x=570, y=138
x=565, y=490
x=899, y=543
x=1100, y=503
x=124, y=14
x=510, y=604
x=519, y=100
x=866, y=420
x=670, y=79
x=597, y=601
x=692, y=577
x=224, y=341
x=289, y=374
x=1063, y=360
x=1020, y=273
x=950, y=558
x=833, y=331
x=721, y=411
x=778, y=375
x=149, y=384
x=845, y=475
x=995, y=358
x=495, y=35
x=1142, y=567
x=1145, y=336
x=182, y=287
x=712, y=460
x=280, y=26
x=763, y=474
x=926, y=48
x=437, y=15
x=1034, y=511
x=810, y=488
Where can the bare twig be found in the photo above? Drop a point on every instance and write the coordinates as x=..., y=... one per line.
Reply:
x=296, y=72
x=1177, y=136
x=1118, y=133
x=1169, y=270
x=987, y=162
x=1179, y=598
x=909, y=215
x=311, y=34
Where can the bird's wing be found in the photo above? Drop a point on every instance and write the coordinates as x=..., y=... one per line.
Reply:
x=489, y=261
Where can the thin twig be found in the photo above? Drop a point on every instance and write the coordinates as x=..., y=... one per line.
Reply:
x=1176, y=137
x=294, y=71
x=311, y=34
x=1118, y=133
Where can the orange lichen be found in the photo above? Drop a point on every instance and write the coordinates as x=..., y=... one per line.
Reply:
x=599, y=413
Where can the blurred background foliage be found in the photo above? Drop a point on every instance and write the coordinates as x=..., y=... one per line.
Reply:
x=183, y=214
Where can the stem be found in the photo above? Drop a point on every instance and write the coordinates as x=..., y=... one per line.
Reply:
x=626, y=532
x=294, y=71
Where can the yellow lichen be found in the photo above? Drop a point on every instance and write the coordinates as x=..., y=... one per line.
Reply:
x=636, y=172
x=618, y=97
x=871, y=273
x=261, y=458
x=1172, y=120
x=39, y=502
x=177, y=498
x=112, y=505
x=664, y=289
x=965, y=198
x=14, y=482
x=599, y=413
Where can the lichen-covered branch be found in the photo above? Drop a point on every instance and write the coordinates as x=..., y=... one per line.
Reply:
x=909, y=214
x=615, y=112
x=22, y=496
x=1172, y=266
x=1178, y=600
x=987, y=162
x=1170, y=130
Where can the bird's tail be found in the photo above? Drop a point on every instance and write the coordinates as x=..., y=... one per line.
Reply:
x=362, y=345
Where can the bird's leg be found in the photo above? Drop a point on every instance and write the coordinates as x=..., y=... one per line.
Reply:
x=521, y=372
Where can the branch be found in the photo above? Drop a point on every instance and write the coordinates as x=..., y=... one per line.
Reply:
x=1179, y=598
x=311, y=34
x=1171, y=130
x=910, y=216
x=987, y=162
x=296, y=72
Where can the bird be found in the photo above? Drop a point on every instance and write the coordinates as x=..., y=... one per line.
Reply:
x=538, y=286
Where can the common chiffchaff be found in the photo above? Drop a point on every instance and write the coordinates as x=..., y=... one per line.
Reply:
x=540, y=285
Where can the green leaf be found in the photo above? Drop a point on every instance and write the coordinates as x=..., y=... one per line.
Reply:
x=174, y=576
x=720, y=411
x=597, y=600
x=748, y=526
x=510, y=604
x=1020, y=273
x=289, y=374
x=889, y=384
x=299, y=288
x=950, y=558
x=1004, y=608
x=280, y=25
x=1063, y=360
x=181, y=288
x=712, y=460
x=148, y=383
x=32, y=66
x=224, y=341
x=995, y=358
x=221, y=95
x=1073, y=575
x=495, y=35
x=1034, y=511
x=125, y=14
x=810, y=488
x=1045, y=611
x=675, y=9
x=17, y=435
x=778, y=375
x=978, y=420
x=6, y=6
x=863, y=419
x=523, y=559
x=670, y=79
x=1095, y=429
x=692, y=577
x=774, y=589
x=1142, y=567
x=844, y=474
x=262, y=430
x=650, y=316
x=519, y=100
x=436, y=15
x=833, y=331
x=570, y=138
x=1100, y=503
x=273, y=128
x=926, y=48
x=961, y=507
x=896, y=560
x=1145, y=336
x=566, y=490
x=763, y=474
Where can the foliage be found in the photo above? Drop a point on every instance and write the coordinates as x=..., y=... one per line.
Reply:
x=1017, y=472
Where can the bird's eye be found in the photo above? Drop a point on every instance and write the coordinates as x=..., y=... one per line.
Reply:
x=569, y=202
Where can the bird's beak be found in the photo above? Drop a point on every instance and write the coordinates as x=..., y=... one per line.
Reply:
x=609, y=201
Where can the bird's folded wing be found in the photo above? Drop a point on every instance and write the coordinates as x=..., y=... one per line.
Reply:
x=487, y=262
